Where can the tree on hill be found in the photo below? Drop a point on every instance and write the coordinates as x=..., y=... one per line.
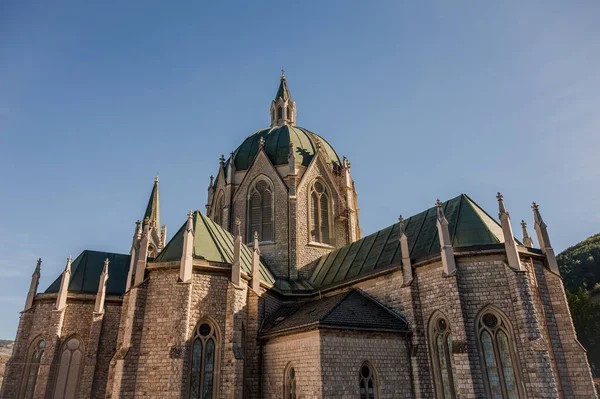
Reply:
x=580, y=264
x=586, y=319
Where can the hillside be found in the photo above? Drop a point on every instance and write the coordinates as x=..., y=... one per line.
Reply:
x=580, y=264
x=580, y=268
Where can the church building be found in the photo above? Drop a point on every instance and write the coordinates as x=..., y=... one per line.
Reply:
x=271, y=291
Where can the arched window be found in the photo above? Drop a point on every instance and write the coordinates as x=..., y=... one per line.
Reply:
x=260, y=211
x=497, y=355
x=151, y=251
x=205, y=356
x=69, y=369
x=289, y=114
x=218, y=215
x=367, y=382
x=279, y=113
x=440, y=344
x=320, y=213
x=289, y=378
x=32, y=368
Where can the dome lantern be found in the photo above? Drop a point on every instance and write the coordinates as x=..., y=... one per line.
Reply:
x=283, y=108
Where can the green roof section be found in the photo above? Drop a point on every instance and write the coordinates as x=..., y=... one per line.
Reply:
x=87, y=268
x=282, y=92
x=153, y=207
x=277, y=146
x=214, y=244
x=469, y=226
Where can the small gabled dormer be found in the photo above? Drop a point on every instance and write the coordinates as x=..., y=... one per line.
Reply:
x=283, y=108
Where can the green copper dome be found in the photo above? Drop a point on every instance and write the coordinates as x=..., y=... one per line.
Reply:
x=277, y=146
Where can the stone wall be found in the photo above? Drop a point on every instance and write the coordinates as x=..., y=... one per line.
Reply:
x=302, y=351
x=344, y=352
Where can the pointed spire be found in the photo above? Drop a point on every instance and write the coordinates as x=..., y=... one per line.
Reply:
x=510, y=246
x=447, y=252
x=222, y=160
x=283, y=108
x=544, y=239
x=142, y=254
x=236, y=267
x=230, y=169
x=163, y=236
x=527, y=241
x=210, y=185
x=101, y=294
x=33, y=286
x=291, y=160
x=256, y=265
x=406, y=263
x=135, y=245
x=187, y=256
x=61, y=299
x=153, y=207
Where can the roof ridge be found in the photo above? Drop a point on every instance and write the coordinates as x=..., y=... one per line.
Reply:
x=390, y=311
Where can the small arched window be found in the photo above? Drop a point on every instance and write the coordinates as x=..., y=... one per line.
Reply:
x=289, y=114
x=279, y=113
x=440, y=344
x=220, y=208
x=205, y=355
x=151, y=251
x=260, y=206
x=367, y=382
x=497, y=355
x=32, y=368
x=69, y=369
x=289, y=388
x=320, y=218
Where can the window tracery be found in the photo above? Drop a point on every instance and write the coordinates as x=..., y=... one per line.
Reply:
x=289, y=389
x=320, y=213
x=32, y=368
x=440, y=342
x=498, y=359
x=204, y=362
x=69, y=369
x=260, y=210
x=367, y=382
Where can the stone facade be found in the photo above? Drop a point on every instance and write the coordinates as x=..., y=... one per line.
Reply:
x=141, y=344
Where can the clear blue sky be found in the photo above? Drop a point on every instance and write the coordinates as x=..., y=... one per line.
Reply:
x=427, y=100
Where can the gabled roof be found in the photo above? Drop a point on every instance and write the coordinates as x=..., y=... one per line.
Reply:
x=211, y=243
x=469, y=226
x=153, y=207
x=350, y=310
x=87, y=268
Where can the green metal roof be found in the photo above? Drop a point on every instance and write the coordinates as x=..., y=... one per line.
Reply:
x=211, y=243
x=87, y=268
x=283, y=92
x=152, y=209
x=469, y=226
x=277, y=146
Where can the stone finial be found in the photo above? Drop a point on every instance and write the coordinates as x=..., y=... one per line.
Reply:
x=318, y=144
x=544, y=239
x=146, y=221
x=212, y=178
x=256, y=265
x=156, y=178
x=510, y=246
x=186, y=267
x=346, y=162
x=291, y=160
x=33, y=286
x=527, y=241
x=238, y=228
x=447, y=251
x=61, y=299
x=101, y=294
x=142, y=254
x=222, y=160
x=406, y=263
x=163, y=236
x=261, y=142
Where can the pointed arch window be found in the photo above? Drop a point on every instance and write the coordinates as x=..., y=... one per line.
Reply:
x=69, y=369
x=368, y=382
x=320, y=213
x=289, y=388
x=260, y=210
x=204, y=362
x=279, y=113
x=32, y=368
x=289, y=114
x=497, y=355
x=440, y=344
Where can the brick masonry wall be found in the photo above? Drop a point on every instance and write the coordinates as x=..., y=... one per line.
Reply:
x=343, y=353
x=573, y=368
x=303, y=352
